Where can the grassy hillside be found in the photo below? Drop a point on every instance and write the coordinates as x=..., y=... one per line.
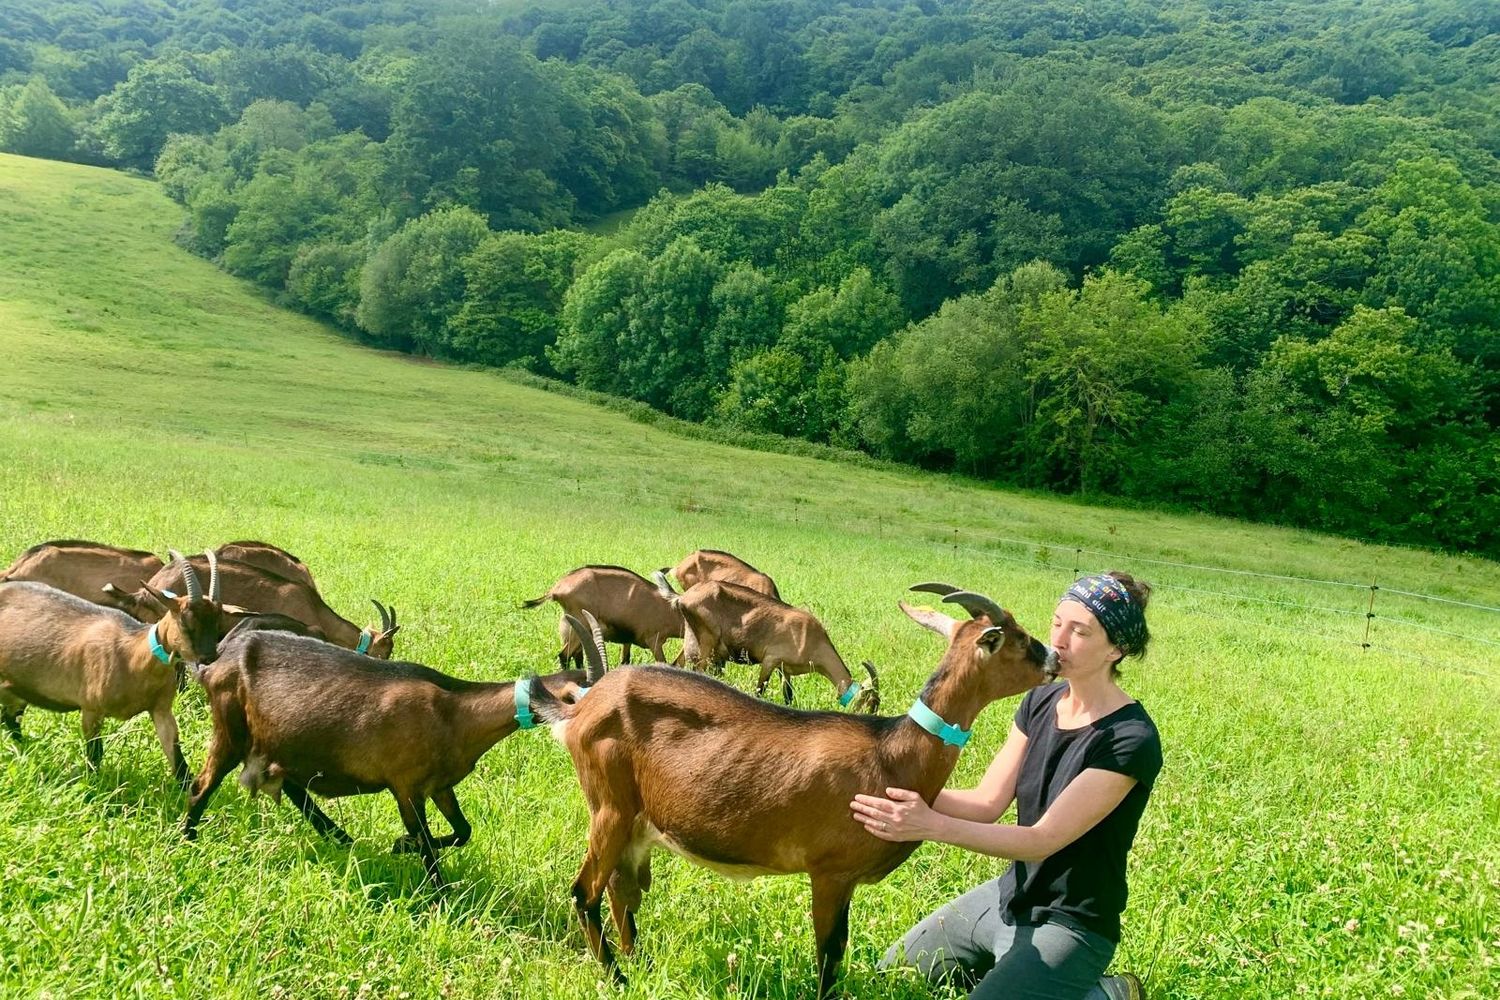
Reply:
x=1324, y=824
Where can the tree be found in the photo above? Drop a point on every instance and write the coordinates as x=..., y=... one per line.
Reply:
x=35, y=123
x=596, y=318
x=324, y=279
x=413, y=283
x=1099, y=360
x=1333, y=426
x=159, y=97
x=661, y=349
x=514, y=285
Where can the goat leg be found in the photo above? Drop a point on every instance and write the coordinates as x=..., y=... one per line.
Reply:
x=830, y=905
x=303, y=800
x=786, y=685
x=447, y=804
x=93, y=744
x=609, y=833
x=221, y=758
x=625, y=891
x=171, y=746
x=418, y=835
x=624, y=653
x=11, y=708
x=766, y=670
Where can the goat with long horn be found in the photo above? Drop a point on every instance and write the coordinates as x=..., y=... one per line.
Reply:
x=659, y=751
x=61, y=653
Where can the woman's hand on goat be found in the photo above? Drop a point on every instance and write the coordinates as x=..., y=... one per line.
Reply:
x=903, y=816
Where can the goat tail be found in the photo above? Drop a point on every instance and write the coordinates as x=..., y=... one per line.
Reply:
x=536, y=602
x=664, y=586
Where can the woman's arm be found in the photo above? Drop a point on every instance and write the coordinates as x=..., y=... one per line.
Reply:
x=995, y=792
x=1088, y=798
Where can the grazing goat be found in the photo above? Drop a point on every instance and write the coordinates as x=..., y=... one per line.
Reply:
x=305, y=716
x=59, y=652
x=628, y=608
x=82, y=568
x=714, y=564
x=748, y=788
x=724, y=620
x=262, y=591
x=267, y=557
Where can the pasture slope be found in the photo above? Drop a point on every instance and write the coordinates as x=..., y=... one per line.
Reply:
x=1325, y=825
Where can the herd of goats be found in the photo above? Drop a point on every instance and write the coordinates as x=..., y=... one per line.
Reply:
x=308, y=702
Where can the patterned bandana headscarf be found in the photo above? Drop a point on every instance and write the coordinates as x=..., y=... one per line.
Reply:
x=1124, y=620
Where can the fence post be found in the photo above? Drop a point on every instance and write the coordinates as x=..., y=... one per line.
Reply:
x=1369, y=616
x=1077, y=561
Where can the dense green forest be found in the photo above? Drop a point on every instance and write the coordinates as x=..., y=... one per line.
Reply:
x=1236, y=255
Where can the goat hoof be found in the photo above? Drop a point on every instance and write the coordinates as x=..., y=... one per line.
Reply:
x=404, y=845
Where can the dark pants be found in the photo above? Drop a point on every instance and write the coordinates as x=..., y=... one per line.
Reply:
x=968, y=942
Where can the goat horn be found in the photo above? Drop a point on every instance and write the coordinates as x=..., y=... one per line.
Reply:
x=189, y=578
x=936, y=588
x=213, y=575
x=874, y=687
x=976, y=605
x=590, y=651
x=385, y=618
x=598, y=633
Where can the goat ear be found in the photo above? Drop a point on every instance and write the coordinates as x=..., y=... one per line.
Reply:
x=929, y=619
x=991, y=638
x=121, y=597
x=166, y=603
x=390, y=631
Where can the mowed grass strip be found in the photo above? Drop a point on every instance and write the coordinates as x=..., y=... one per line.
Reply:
x=1324, y=826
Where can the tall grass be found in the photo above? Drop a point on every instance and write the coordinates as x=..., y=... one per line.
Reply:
x=1324, y=825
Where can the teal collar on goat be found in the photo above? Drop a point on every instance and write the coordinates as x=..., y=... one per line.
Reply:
x=850, y=693
x=157, y=649
x=364, y=641
x=523, y=703
x=524, y=716
x=937, y=725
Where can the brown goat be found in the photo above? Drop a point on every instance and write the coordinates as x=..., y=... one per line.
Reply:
x=82, y=568
x=725, y=620
x=627, y=606
x=268, y=557
x=260, y=590
x=748, y=788
x=714, y=564
x=62, y=653
x=306, y=716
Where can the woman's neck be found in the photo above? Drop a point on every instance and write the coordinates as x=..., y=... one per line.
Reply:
x=1092, y=696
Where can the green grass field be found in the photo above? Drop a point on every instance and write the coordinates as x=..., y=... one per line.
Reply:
x=1325, y=824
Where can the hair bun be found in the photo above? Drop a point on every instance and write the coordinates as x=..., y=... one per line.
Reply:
x=1139, y=590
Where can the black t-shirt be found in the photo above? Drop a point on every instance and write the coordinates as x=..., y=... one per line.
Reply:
x=1084, y=883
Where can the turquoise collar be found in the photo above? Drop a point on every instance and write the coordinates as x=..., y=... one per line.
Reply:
x=850, y=693
x=364, y=641
x=523, y=704
x=935, y=724
x=157, y=650
x=524, y=716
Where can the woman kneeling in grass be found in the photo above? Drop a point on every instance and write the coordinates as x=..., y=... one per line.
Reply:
x=1079, y=764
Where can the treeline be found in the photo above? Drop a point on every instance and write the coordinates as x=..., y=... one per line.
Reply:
x=1242, y=257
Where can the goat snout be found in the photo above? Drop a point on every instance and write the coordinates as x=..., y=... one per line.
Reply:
x=1050, y=664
